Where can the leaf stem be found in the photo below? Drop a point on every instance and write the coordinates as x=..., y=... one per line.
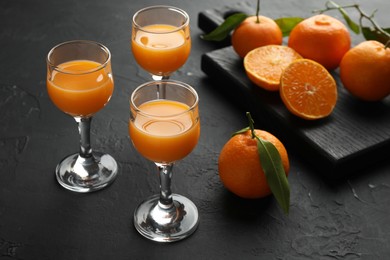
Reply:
x=251, y=124
x=330, y=5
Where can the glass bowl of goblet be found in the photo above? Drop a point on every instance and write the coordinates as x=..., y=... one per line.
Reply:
x=160, y=39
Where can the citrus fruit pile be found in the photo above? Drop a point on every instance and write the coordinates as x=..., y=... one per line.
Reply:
x=298, y=71
x=306, y=87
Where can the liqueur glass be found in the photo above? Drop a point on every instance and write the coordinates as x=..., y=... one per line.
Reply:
x=80, y=83
x=165, y=130
x=160, y=39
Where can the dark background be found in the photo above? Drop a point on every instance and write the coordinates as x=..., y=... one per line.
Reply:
x=344, y=219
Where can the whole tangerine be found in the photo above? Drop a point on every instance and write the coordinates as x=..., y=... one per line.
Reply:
x=255, y=31
x=321, y=38
x=365, y=71
x=240, y=168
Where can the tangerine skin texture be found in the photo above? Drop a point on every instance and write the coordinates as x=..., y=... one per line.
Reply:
x=250, y=34
x=239, y=165
x=321, y=38
x=365, y=71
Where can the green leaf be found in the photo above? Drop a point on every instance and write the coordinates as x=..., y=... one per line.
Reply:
x=352, y=25
x=272, y=166
x=274, y=172
x=286, y=24
x=372, y=34
x=246, y=129
x=222, y=31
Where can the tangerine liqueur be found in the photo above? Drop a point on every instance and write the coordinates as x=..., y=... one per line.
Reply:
x=165, y=131
x=160, y=48
x=80, y=87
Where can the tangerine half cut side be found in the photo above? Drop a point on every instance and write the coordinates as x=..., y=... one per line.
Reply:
x=264, y=65
x=308, y=90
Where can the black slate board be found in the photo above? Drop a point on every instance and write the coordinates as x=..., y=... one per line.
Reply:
x=356, y=134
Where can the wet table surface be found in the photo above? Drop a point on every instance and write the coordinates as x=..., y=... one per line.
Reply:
x=343, y=219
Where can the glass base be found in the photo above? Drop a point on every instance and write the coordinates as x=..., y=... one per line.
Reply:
x=83, y=175
x=166, y=225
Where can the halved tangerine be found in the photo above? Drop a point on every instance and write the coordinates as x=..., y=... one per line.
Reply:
x=308, y=90
x=264, y=65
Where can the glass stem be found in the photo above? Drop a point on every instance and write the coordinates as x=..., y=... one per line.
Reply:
x=161, y=87
x=166, y=200
x=85, y=136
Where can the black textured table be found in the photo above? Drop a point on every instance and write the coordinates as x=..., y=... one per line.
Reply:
x=346, y=218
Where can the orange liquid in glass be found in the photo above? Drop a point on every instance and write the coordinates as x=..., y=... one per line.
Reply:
x=78, y=92
x=163, y=51
x=164, y=139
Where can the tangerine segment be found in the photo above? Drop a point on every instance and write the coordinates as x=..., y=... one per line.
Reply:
x=264, y=65
x=308, y=90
